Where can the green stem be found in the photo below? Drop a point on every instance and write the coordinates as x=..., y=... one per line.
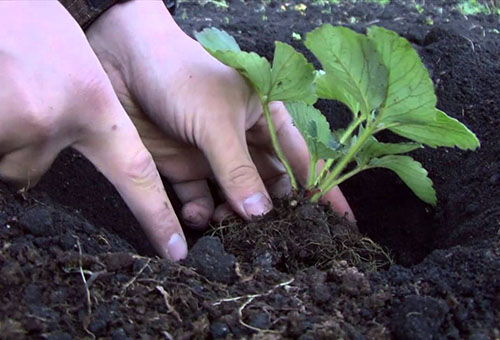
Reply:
x=311, y=180
x=276, y=144
x=340, y=166
x=347, y=133
x=344, y=177
x=324, y=171
x=350, y=129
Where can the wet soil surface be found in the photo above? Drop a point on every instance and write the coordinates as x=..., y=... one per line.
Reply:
x=73, y=263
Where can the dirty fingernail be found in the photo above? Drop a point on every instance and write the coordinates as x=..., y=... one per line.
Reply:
x=256, y=205
x=177, y=247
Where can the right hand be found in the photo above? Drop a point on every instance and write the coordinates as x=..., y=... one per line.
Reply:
x=54, y=94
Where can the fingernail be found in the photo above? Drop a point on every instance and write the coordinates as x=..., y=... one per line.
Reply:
x=256, y=205
x=177, y=248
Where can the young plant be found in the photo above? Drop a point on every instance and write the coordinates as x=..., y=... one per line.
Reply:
x=378, y=76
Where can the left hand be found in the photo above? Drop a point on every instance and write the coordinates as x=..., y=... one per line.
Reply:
x=198, y=117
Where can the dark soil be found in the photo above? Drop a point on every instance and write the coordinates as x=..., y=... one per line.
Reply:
x=72, y=264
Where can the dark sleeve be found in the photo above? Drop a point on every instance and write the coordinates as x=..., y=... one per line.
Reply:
x=86, y=11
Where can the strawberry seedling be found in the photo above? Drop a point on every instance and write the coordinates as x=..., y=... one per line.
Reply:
x=378, y=76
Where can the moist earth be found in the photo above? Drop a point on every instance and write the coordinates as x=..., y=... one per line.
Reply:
x=74, y=264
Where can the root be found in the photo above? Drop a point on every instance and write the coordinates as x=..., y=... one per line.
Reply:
x=170, y=308
x=131, y=281
x=249, y=298
x=84, y=279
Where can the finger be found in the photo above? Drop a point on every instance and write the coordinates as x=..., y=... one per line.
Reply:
x=197, y=203
x=295, y=149
x=223, y=212
x=235, y=172
x=117, y=151
x=338, y=202
x=272, y=171
x=25, y=167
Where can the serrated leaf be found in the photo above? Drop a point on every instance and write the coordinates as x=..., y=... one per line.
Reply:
x=411, y=173
x=442, y=131
x=324, y=90
x=411, y=101
x=324, y=151
x=215, y=39
x=315, y=129
x=252, y=66
x=373, y=148
x=410, y=92
x=291, y=76
x=304, y=115
x=352, y=65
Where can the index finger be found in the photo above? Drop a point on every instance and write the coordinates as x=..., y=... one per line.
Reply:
x=116, y=149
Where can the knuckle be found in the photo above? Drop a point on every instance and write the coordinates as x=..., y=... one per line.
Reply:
x=243, y=175
x=165, y=216
x=38, y=120
x=141, y=169
x=95, y=91
x=41, y=124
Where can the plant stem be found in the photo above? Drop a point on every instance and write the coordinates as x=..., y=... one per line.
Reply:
x=331, y=179
x=350, y=129
x=311, y=180
x=324, y=171
x=345, y=177
x=347, y=133
x=276, y=144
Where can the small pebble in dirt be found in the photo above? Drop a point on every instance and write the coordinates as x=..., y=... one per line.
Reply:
x=260, y=320
x=495, y=179
x=321, y=293
x=419, y=317
x=3, y=218
x=219, y=330
x=67, y=241
x=355, y=282
x=59, y=336
x=119, y=334
x=98, y=326
x=58, y=296
x=121, y=260
x=32, y=294
x=210, y=259
x=37, y=221
x=141, y=265
x=122, y=277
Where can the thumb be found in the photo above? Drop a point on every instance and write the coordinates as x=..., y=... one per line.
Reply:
x=230, y=160
x=118, y=152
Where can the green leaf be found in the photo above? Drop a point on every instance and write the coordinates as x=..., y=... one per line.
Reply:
x=352, y=66
x=410, y=93
x=217, y=40
x=411, y=173
x=442, y=131
x=409, y=109
x=252, y=66
x=373, y=148
x=324, y=90
x=291, y=76
x=315, y=129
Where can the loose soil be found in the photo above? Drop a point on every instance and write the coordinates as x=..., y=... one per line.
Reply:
x=73, y=264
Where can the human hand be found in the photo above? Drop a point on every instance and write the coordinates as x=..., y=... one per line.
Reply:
x=197, y=117
x=55, y=94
